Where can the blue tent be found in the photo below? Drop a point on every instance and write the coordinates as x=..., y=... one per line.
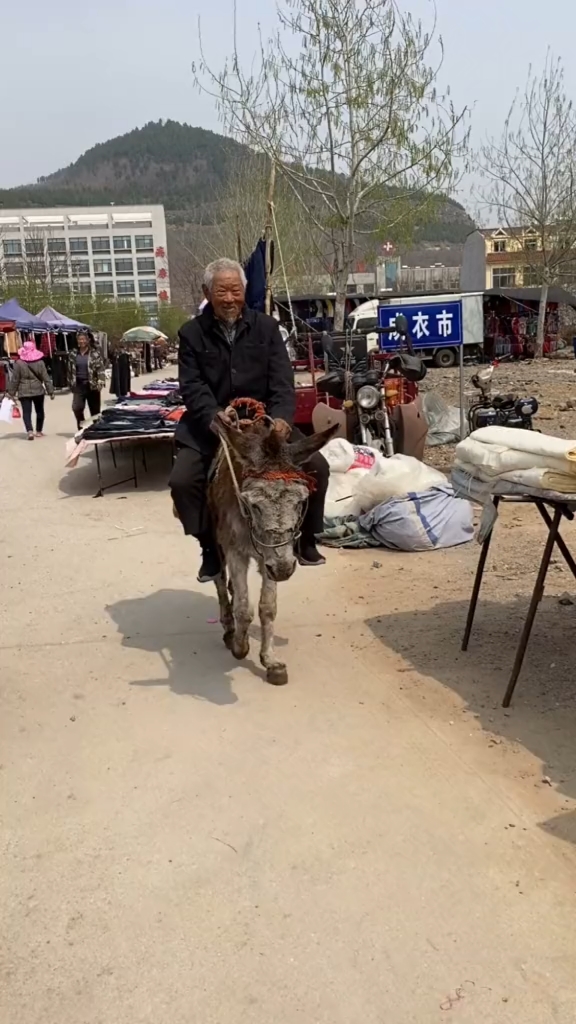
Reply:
x=59, y=322
x=12, y=310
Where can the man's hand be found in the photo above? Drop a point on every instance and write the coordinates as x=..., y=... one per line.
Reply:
x=221, y=418
x=283, y=428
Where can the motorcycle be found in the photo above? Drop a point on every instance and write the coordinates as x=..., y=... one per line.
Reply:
x=489, y=410
x=361, y=386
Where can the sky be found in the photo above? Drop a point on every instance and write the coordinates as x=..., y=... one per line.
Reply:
x=76, y=74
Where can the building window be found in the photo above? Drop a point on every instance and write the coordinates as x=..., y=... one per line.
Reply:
x=58, y=268
x=78, y=245
x=56, y=245
x=61, y=288
x=124, y=266
x=15, y=271
x=503, y=277
x=499, y=245
x=34, y=247
x=531, y=244
x=530, y=277
x=147, y=287
x=122, y=243
x=144, y=243
x=80, y=268
x=146, y=266
x=102, y=267
x=101, y=244
x=104, y=287
x=14, y=248
x=84, y=287
x=125, y=288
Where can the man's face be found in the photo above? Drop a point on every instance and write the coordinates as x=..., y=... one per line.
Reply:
x=226, y=295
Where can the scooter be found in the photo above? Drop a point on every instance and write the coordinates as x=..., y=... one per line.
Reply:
x=498, y=410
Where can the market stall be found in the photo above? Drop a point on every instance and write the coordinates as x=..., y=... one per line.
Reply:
x=136, y=421
x=511, y=321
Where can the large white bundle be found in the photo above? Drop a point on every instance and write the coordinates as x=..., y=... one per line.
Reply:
x=339, y=454
x=497, y=459
x=342, y=496
x=526, y=441
x=395, y=478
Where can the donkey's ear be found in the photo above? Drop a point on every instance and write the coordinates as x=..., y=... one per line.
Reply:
x=302, y=450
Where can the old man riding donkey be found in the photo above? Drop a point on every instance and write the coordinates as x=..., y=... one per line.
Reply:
x=266, y=500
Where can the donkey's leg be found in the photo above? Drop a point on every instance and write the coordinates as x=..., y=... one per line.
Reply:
x=226, y=616
x=238, y=568
x=275, y=670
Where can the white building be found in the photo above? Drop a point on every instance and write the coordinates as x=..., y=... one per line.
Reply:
x=117, y=251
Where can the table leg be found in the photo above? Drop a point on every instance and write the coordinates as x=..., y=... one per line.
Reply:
x=537, y=594
x=144, y=459
x=478, y=582
x=134, y=467
x=559, y=540
x=113, y=454
x=100, y=490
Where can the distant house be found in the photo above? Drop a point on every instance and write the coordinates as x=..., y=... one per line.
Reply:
x=512, y=257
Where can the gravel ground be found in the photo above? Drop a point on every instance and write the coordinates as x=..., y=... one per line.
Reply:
x=553, y=383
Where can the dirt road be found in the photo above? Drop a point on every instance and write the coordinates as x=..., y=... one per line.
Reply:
x=376, y=842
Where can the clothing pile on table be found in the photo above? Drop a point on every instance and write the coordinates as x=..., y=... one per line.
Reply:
x=396, y=502
x=507, y=460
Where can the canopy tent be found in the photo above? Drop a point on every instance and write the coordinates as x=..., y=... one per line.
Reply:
x=24, y=321
x=555, y=294
x=59, y=322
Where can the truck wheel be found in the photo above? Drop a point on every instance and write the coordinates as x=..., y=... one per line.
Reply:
x=445, y=357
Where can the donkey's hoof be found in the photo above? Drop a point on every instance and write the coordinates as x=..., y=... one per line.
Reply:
x=240, y=651
x=277, y=675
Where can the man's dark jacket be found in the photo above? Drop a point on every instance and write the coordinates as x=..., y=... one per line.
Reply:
x=212, y=373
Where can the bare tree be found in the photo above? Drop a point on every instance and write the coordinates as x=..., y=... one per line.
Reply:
x=350, y=118
x=530, y=181
x=243, y=215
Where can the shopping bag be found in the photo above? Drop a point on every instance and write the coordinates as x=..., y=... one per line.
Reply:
x=16, y=414
x=6, y=409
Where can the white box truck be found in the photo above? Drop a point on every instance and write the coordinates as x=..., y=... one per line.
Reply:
x=421, y=311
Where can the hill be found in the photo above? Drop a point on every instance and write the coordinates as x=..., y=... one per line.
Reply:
x=182, y=167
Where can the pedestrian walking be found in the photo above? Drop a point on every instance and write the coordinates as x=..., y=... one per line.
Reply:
x=86, y=377
x=30, y=383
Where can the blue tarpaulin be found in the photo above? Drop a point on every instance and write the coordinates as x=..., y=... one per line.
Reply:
x=25, y=321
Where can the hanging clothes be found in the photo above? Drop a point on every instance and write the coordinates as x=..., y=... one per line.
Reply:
x=255, y=270
x=60, y=370
x=120, y=383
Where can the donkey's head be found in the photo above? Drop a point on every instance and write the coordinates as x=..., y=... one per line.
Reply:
x=274, y=489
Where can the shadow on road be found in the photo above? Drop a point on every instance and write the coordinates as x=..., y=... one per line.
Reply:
x=174, y=624
x=543, y=713
x=152, y=471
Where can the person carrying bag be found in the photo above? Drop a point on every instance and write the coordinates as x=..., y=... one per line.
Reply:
x=30, y=383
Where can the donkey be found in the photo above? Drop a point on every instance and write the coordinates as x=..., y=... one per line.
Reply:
x=257, y=499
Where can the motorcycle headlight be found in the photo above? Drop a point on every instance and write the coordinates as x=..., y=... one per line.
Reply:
x=368, y=397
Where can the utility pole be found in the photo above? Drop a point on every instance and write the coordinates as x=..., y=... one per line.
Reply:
x=268, y=237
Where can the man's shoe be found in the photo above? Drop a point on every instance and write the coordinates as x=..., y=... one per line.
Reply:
x=211, y=566
x=307, y=554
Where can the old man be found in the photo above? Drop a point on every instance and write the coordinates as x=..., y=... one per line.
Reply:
x=229, y=351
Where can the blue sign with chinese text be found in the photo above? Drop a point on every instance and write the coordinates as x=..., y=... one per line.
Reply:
x=433, y=325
